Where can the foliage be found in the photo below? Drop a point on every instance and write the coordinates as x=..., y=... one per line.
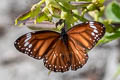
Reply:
x=74, y=11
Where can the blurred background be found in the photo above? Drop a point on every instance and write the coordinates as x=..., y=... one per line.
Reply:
x=103, y=62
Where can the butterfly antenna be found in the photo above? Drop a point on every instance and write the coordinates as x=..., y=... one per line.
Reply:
x=60, y=22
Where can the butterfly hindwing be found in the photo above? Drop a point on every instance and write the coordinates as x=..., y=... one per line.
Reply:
x=58, y=58
x=79, y=55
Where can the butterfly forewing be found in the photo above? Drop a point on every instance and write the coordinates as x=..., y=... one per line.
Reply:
x=82, y=38
x=87, y=33
x=36, y=44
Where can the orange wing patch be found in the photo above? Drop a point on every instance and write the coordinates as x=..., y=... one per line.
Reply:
x=58, y=58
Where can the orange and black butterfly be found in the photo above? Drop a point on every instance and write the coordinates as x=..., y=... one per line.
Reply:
x=62, y=51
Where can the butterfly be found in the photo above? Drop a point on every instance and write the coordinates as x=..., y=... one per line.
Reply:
x=62, y=51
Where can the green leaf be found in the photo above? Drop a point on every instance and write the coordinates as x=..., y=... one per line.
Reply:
x=23, y=17
x=110, y=36
x=83, y=0
x=116, y=9
x=101, y=1
x=112, y=11
x=35, y=11
x=36, y=8
x=70, y=19
x=66, y=4
x=41, y=17
x=52, y=3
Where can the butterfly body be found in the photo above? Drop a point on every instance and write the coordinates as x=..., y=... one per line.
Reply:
x=62, y=51
x=64, y=36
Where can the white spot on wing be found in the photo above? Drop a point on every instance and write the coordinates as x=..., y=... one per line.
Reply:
x=96, y=35
x=93, y=34
x=91, y=22
x=27, y=39
x=30, y=46
x=92, y=26
x=26, y=49
x=95, y=31
x=26, y=44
